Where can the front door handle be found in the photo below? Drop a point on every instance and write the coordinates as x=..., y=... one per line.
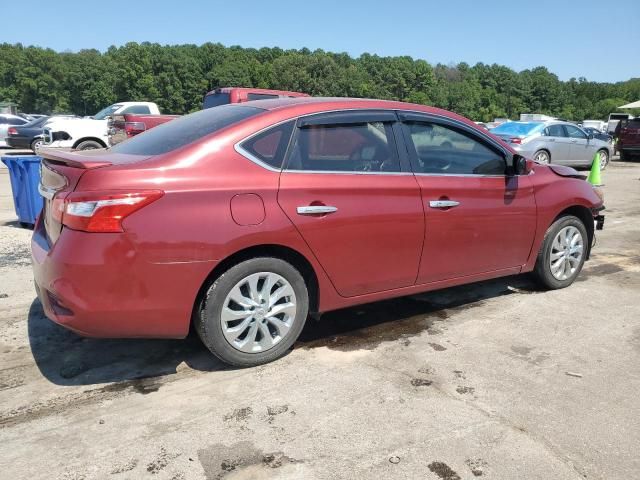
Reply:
x=443, y=203
x=316, y=209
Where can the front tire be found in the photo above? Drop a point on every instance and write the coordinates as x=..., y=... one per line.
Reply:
x=254, y=312
x=563, y=253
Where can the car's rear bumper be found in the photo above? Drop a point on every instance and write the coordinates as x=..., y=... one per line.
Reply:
x=21, y=142
x=98, y=285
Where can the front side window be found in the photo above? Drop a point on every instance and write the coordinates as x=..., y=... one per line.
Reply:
x=106, y=112
x=270, y=146
x=575, y=132
x=439, y=149
x=361, y=147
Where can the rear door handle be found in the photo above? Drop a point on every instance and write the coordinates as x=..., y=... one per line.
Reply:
x=443, y=203
x=316, y=209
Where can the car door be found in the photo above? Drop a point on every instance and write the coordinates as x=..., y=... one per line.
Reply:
x=351, y=195
x=477, y=218
x=558, y=143
x=582, y=150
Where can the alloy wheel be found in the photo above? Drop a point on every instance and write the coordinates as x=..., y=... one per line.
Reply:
x=604, y=159
x=542, y=157
x=258, y=312
x=566, y=253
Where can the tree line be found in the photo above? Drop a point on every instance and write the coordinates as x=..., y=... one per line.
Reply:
x=176, y=77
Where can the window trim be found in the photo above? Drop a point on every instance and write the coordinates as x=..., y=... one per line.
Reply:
x=351, y=117
x=250, y=156
x=485, y=141
x=403, y=153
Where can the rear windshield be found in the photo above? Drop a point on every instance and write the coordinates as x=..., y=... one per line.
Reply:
x=185, y=130
x=517, y=128
x=216, y=99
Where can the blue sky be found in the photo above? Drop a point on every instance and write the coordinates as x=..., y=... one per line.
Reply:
x=599, y=40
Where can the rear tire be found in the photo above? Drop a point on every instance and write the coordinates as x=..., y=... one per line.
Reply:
x=562, y=254
x=89, y=145
x=542, y=156
x=37, y=143
x=603, y=157
x=244, y=333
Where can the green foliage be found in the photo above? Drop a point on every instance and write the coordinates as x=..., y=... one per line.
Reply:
x=177, y=76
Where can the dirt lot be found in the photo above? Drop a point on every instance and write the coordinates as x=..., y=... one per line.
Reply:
x=464, y=383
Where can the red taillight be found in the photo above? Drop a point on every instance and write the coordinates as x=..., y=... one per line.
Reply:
x=12, y=131
x=101, y=211
x=516, y=140
x=134, y=128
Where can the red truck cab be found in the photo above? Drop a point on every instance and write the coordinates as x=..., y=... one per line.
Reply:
x=225, y=95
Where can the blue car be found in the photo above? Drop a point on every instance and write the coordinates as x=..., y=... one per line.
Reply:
x=28, y=135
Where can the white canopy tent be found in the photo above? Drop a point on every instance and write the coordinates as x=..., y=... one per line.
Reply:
x=631, y=105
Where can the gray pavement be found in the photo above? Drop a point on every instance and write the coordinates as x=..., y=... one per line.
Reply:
x=469, y=382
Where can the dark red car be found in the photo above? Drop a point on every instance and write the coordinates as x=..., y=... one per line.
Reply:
x=243, y=219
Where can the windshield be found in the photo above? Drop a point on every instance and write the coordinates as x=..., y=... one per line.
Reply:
x=105, y=112
x=518, y=129
x=185, y=130
x=215, y=100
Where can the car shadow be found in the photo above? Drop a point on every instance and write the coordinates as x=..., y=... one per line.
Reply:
x=65, y=358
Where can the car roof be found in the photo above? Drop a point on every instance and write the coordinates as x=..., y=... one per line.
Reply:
x=308, y=105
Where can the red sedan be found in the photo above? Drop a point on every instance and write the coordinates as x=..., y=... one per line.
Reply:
x=243, y=219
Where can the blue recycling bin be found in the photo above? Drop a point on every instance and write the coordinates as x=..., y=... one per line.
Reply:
x=24, y=174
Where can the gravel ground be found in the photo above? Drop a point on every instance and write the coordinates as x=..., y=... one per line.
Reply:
x=494, y=380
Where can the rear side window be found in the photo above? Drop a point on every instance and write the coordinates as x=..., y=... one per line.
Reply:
x=16, y=121
x=269, y=147
x=138, y=109
x=442, y=150
x=260, y=96
x=185, y=130
x=216, y=99
x=362, y=147
x=555, y=131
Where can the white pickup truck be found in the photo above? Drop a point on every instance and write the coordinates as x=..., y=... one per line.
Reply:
x=90, y=132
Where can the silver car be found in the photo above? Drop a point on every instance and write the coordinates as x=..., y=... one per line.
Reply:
x=554, y=141
x=6, y=121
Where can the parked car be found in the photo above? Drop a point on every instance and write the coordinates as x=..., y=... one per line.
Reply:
x=91, y=132
x=7, y=121
x=226, y=95
x=127, y=125
x=554, y=141
x=28, y=135
x=629, y=139
x=242, y=219
x=615, y=119
x=598, y=125
x=598, y=134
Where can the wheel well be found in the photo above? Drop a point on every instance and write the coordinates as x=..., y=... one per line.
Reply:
x=543, y=150
x=586, y=217
x=86, y=139
x=278, y=251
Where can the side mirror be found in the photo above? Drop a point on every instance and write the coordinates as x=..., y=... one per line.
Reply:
x=521, y=166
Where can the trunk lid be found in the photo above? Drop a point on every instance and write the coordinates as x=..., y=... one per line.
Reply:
x=60, y=173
